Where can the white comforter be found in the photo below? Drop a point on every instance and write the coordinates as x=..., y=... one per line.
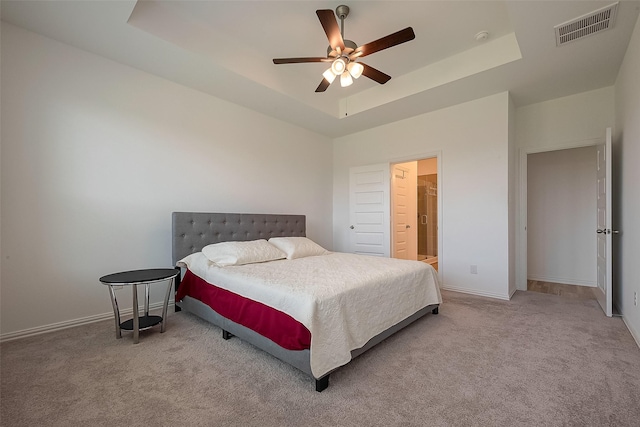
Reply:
x=343, y=299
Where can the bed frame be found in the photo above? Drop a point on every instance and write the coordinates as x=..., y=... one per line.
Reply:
x=192, y=231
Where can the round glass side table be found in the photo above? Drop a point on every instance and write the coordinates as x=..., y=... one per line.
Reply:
x=135, y=278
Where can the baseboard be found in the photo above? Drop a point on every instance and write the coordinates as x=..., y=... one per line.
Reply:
x=616, y=310
x=505, y=297
x=634, y=333
x=10, y=336
x=512, y=292
x=563, y=280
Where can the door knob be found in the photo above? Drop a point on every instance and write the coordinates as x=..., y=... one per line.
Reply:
x=408, y=226
x=600, y=231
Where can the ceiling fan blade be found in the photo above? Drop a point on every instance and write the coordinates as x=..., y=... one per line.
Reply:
x=374, y=74
x=324, y=84
x=328, y=20
x=391, y=40
x=300, y=60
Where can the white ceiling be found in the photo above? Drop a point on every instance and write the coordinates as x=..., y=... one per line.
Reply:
x=225, y=48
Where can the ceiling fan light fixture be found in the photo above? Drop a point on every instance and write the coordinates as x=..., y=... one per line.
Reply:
x=355, y=69
x=338, y=66
x=345, y=79
x=329, y=75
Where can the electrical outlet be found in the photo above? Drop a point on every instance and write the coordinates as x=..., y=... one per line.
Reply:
x=474, y=269
x=635, y=298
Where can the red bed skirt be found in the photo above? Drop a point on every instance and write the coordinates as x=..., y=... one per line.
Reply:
x=279, y=327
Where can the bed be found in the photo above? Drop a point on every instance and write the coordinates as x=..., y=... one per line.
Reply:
x=304, y=321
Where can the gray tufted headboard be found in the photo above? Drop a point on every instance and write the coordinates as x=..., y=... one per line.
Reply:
x=192, y=231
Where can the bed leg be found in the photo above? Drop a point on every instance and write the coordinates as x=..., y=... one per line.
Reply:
x=226, y=335
x=322, y=383
x=435, y=310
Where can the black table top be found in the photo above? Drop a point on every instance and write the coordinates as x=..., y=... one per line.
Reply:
x=140, y=276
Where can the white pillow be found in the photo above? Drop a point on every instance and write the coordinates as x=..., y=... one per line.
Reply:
x=239, y=253
x=298, y=247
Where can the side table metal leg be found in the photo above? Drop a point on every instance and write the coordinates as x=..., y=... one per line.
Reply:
x=166, y=303
x=136, y=319
x=116, y=311
x=146, y=299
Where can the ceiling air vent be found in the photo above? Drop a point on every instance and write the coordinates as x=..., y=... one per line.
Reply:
x=585, y=25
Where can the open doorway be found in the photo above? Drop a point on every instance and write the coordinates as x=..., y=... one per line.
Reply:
x=414, y=210
x=595, y=269
x=561, y=219
x=427, y=194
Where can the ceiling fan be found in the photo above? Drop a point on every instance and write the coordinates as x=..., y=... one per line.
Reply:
x=343, y=54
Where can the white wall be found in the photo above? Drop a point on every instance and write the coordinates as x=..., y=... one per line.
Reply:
x=561, y=205
x=568, y=122
x=96, y=156
x=473, y=184
x=627, y=182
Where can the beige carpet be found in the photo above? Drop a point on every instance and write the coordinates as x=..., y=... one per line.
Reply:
x=537, y=360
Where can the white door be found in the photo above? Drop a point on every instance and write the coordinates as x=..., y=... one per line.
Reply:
x=404, y=228
x=369, y=210
x=604, y=263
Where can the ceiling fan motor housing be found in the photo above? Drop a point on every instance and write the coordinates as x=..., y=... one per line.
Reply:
x=347, y=44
